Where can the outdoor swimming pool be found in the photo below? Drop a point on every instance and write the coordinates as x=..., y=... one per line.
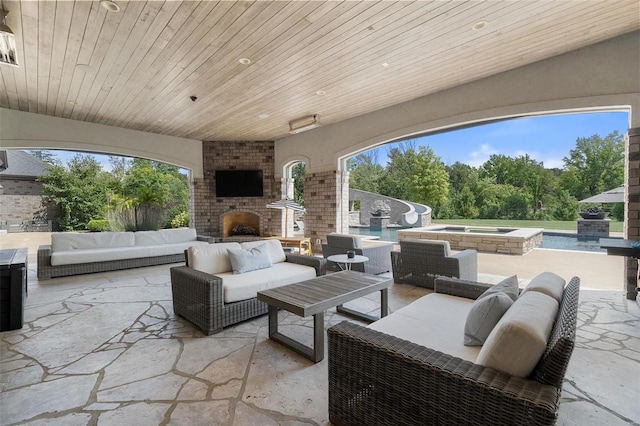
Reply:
x=550, y=240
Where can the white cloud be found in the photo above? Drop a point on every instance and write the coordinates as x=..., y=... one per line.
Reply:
x=481, y=156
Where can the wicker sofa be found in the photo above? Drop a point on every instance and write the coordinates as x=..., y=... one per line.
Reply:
x=208, y=294
x=73, y=253
x=420, y=262
x=377, y=378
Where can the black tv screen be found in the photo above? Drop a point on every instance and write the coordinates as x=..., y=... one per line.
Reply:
x=239, y=183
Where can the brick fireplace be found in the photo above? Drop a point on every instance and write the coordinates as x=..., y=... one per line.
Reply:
x=217, y=216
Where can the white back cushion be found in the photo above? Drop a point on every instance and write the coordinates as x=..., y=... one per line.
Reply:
x=211, y=258
x=517, y=342
x=165, y=236
x=547, y=283
x=62, y=241
x=274, y=247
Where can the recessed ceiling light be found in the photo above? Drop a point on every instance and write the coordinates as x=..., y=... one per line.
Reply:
x=479, y=25
x=384, y=64
x=321, y=92
x=86, y=68
x=162, y=120
x=263, y=116
x=244, y=61
x=72, y=102
x=110, y=6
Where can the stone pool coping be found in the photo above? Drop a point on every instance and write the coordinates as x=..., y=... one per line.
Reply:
x=519, y=241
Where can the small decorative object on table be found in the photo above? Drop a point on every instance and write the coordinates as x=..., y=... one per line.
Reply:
x=351, y=254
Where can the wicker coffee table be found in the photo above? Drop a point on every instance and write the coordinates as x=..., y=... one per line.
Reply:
x=313, y=297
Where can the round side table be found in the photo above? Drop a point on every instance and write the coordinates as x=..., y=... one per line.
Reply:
x=341, y=259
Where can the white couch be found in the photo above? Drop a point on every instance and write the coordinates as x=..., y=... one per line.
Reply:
x=412, y=367
x=72, y=253
x=209, y=294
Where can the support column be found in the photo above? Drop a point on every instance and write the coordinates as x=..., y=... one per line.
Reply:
x=327, y=205
x=632, y=209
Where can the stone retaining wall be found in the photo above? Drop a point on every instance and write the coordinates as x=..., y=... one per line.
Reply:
x=517, y=242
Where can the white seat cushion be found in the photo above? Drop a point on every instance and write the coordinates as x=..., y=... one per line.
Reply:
x=520, y=338
x=246, y=286
x=75, y=257
x=211, y=258
x=434, y=321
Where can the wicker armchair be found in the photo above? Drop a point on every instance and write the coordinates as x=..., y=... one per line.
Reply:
x=378, y=379
x=378, y=253
x=420, y=262
x=199, y=297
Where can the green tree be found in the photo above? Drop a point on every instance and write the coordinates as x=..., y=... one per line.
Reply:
x=399, y=170
x=78, y=191
x=465, y=203
x=596, y=164
x=429, y=183
x=365, y=173
x=45, y=156
x=564, y=207
x=520, y=172
x=149, y=194
x=298, y=173
x=461, y=175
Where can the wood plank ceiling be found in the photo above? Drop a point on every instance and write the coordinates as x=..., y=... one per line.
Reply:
x=336, y=59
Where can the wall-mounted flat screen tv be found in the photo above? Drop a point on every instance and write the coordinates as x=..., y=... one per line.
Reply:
x=239, y=183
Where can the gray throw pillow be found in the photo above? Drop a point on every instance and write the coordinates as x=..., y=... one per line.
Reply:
x=483, y=317
x=249, y=260
x=508, y=285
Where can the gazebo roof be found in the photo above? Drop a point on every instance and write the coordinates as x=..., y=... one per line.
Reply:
x=615, y=195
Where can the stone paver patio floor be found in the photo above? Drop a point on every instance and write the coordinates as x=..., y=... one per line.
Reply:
x=107, y=349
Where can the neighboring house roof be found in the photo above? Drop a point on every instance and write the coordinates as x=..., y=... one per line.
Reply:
x=20, y=165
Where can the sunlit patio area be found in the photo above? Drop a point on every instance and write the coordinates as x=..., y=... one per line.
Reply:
x=106, y=348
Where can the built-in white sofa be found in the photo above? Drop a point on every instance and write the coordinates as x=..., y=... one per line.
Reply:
x=72, y=253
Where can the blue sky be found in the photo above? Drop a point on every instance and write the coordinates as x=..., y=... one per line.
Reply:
x=547, y=139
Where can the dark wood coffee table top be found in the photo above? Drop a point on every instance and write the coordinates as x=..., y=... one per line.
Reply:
x=319, y=294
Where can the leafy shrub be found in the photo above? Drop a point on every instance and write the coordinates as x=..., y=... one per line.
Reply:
x=565, y=206
x=617, y=211
x=180, y=220
x=98, y=225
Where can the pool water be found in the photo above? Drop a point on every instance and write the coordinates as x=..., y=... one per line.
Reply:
x=550, y=240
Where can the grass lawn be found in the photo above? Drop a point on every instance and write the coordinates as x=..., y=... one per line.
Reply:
x=546, y=224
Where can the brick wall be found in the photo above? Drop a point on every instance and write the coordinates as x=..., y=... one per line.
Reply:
x=632, y=230
x=20, y=199
x=206, y=209
x=327, y=205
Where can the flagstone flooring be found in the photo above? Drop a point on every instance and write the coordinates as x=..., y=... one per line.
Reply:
x=106, y=349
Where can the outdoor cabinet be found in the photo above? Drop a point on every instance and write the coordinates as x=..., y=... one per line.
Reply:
x=13, y=288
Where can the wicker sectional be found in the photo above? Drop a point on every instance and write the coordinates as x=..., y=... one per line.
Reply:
x=199, y=296
x=379, y=379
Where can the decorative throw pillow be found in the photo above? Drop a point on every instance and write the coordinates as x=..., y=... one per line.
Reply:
x=509, y=286
x=249, y=260
x=483, y=317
